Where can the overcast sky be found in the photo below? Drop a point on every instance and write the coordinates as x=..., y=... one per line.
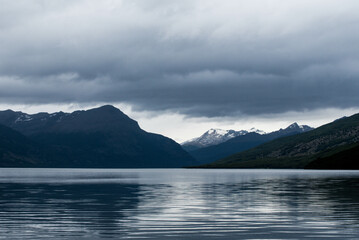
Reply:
x=180, y=67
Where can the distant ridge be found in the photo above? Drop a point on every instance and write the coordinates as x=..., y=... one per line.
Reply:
x=243, y=142
x=321, y=148
x=102, y=137
x=214, y=137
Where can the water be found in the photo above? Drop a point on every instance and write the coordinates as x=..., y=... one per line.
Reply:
x=178, y=204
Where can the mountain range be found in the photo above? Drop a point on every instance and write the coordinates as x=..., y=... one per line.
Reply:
x=214, y=137
x=103, y=137
x=243, y=141
x=331, y=146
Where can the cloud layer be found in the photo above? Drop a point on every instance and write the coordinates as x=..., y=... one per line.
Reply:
x=201, y=57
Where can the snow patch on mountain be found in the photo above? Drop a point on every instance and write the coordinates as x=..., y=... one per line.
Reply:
x=23, y=118
x=255, y=130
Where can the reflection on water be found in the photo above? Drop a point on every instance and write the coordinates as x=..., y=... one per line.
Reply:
x=178, y=204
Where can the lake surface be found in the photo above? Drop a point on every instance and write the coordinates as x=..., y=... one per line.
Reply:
x=178, y=204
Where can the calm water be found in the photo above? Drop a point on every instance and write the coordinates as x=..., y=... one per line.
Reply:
x=178, y=204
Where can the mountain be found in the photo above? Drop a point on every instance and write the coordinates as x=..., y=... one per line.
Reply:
x=348, y=158
x=103, y=137
x=243, y=142
x=313, y=149
x=214, y=137
x=15, y=149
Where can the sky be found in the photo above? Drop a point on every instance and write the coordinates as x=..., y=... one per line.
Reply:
x=182, y=67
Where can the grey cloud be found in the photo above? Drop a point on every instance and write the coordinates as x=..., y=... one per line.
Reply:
x=201, y=58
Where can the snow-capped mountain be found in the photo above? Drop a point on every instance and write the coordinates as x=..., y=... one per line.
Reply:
x=214, y=137
x=296, y=127
x=242, y=143
x=217, y=136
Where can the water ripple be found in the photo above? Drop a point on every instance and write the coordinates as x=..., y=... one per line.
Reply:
x=178, y=204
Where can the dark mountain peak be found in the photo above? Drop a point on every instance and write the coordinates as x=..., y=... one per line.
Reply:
x=104, y=111
x=7, y=111
x=107, y=108
x=293, y=125
x=106, y=118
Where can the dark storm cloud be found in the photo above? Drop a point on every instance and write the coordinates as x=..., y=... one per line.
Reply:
x=201, y=58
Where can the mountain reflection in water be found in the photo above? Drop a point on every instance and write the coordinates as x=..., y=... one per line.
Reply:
x=178, y=204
